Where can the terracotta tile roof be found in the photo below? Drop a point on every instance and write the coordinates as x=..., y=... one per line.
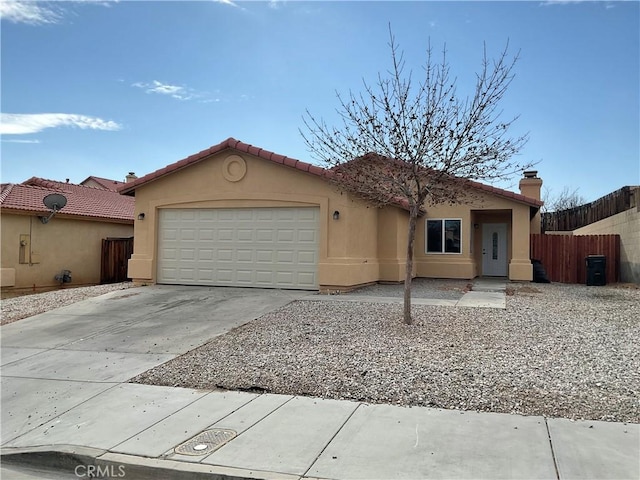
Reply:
x=373, y=159
x=105, y=183
x=518, y=197
x=231, y=143
x=82, y=200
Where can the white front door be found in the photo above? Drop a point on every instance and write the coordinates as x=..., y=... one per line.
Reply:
x=494, y=249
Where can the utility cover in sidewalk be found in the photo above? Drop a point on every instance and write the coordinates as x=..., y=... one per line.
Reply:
x=205, y=442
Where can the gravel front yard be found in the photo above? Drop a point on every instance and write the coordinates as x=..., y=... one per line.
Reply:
x=17, y=308
x=557, y=350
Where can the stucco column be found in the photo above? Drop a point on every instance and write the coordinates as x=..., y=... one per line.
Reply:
x=140, y=265
x=520, y=267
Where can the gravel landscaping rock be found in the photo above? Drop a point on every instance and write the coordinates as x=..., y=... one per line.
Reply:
x=557, y=350
x=420, y=288
x=17, y=308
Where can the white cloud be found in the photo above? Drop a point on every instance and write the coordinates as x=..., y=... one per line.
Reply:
x=559, y=2
x=39, y=13
x=174, y=91
x=25, y=123
x=32, y=13
x=276, y=4
x=228, y=2
x=15, y=140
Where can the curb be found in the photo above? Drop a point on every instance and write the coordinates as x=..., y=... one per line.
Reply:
x=87, y=462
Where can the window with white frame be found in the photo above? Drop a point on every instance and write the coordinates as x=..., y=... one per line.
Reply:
x=443, y=235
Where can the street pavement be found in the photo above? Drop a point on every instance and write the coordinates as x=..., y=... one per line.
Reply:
x=67, y=410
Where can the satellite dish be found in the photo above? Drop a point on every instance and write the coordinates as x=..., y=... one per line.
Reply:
x=54, y=202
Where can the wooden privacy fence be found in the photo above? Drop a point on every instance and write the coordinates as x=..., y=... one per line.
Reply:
x=563, y=256
x=604, y=207
x=115, y=255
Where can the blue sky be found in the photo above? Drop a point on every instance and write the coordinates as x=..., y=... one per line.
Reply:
x=103, y=88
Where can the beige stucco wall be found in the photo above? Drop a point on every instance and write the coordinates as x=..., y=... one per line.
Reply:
x=62, y=244
x=348, y=253
x=366, y=244
x=481, y=208
x=627, y=225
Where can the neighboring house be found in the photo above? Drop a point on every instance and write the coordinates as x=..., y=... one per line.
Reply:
x=106, y=183
x=34, y=253
x=236, y=214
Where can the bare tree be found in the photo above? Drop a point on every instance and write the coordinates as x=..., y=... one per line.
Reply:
x=565, y=200
x=405, y=143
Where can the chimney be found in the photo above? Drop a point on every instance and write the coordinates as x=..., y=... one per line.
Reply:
x=530, y=187
x=130, y=178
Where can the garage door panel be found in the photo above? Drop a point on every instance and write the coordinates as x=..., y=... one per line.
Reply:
x=188, y=234
x=307, y=236
x=244, y=276
x=205, y=275
x=286, y=256
x=264, y=235
x=206, y=234
x=306, y=279
x=185, y=215
x=168, y=254
x=169, y=234
x=286, y=236
x=205, y=254
x=265, y=256
x=224, y=275
x=245, y=256
x=187, y=273
x=306, y=258
x=287, y=214
x=262, y=247
x=245, y=235
x=265, y=214
x=225, y=235
x=307, y=214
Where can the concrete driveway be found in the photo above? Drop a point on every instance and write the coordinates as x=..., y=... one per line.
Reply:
x=59, y=359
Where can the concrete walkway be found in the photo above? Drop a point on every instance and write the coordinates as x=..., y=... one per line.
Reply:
x=67, y=410
x=485, y=293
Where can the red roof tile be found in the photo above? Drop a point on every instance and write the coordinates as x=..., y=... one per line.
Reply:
x=82, y=200
x=105, y=183
x=231, y=143
x=507, y=194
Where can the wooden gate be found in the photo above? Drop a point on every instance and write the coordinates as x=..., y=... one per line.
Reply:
x=563, y=256
x=115, y=256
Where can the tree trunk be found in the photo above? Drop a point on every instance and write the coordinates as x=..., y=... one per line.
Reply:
x=413, y=219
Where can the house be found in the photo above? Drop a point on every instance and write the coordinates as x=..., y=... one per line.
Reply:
x=106, y=183
x=34, y=253
x=239, y=215
x=102, y=183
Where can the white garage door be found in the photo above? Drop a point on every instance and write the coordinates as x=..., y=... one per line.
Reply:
x=246, y=247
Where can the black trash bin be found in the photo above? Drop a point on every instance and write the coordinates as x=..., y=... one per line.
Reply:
x=596, y=270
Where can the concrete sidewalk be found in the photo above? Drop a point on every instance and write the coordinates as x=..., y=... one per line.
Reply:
x=66, y=405
x=136, y=429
